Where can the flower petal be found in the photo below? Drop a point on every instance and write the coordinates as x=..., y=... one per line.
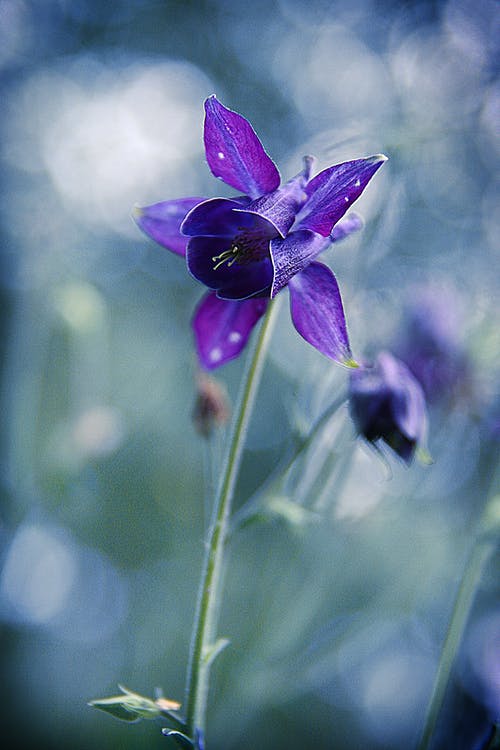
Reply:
x=408, y=400
x=346, y=226
x=317, y=312
x=213, y=218
x=162, y=222
x=222, y=327
x=387, y=403
x=333, y=191
x=292, y=254
x=200, y=254
x=232, y=281
x=235, y=153
x=282, y=205
x=250, y=280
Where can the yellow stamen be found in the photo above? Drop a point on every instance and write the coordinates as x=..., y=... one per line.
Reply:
x=228, y=256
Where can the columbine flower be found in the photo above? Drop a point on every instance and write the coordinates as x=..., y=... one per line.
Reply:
x=246, y=249
x=430, y=343
x=387, y=403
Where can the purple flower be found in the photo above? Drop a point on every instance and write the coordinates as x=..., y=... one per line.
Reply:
x=387, y=403
x=248, y=248
x=430, y=343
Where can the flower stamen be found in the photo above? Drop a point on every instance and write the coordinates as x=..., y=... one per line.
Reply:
x=228, y=256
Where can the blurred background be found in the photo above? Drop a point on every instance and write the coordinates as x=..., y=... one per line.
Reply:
x=337, y=606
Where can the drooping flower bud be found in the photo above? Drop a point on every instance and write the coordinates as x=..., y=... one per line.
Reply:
x=387, y=403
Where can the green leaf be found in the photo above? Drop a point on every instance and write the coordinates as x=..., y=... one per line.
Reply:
x=280, y=508
x=212, y=651
x=128, y=707
x=290, y=512
x=114, y=708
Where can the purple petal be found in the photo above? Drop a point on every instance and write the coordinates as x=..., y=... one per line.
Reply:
x=387, y=403
x=222, y=327
x=253, y=279
x=214, y=217
x=235, y=281
x=162, y=222
x=333, y=191
x=282, y=205
x=292, y=254
x=317, y=312
x=235, y=153
x=346, y=226
x=408, y=400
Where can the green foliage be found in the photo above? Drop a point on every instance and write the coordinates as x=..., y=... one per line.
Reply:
x=132, y=706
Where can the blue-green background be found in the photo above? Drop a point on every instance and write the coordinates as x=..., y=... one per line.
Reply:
x=336, y=616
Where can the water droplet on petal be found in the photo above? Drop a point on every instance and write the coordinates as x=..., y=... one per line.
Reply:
x=234, y=337
x=220, y=155
x=346, y=198
x=357, y=183
x=216, y=354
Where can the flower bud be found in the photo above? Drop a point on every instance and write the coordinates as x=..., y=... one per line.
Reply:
x=387, y=403
x=211, y=408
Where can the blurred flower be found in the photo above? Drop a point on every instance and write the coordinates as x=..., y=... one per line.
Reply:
x=248, y=248
x=387, y=403
x=430, y=345
x=211, y=408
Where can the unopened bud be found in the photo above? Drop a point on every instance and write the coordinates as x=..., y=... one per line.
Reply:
x=211, y=408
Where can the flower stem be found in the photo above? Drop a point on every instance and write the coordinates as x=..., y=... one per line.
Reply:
x=203, y=646
x=480, y=553
x=274, y=482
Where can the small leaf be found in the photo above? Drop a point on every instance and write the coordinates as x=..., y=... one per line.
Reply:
x=279, y=508
x=118, y=710
x=292, y=513
x=211, y=652
x=181, y=738
x=128, y=707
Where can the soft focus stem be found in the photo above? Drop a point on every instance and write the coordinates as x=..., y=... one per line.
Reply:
x=277, y=479
x=481, y=551
x=207, y=611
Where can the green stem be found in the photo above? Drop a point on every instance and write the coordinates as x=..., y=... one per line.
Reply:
x=481, y=551
x=203, y=641
x=275, y=481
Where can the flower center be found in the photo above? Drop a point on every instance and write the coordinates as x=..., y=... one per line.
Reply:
x=247, y=247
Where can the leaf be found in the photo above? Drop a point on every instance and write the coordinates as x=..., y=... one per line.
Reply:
x=213, y=651
x=290, y=512
x=114, y=708
x=132, y=706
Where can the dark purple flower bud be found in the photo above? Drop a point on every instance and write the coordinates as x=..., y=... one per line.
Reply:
x=387, y=403
x=248, y=248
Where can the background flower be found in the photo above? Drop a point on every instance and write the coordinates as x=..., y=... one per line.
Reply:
x=387, y=403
